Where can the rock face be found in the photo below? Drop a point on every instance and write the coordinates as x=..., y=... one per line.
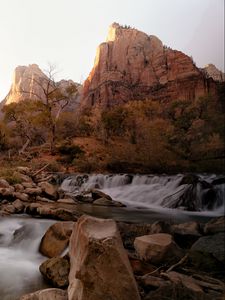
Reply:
x=99, y=265
x=27, y=82
x=132, y=65
x=214, y=73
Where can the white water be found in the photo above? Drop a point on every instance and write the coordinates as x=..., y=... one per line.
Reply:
x=19, y=257
x=147, y=191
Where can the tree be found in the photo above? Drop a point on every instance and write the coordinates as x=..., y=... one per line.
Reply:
x=54, y=97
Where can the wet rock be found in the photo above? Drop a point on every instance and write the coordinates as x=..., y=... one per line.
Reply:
x=189, y=179
x=85, y=199
x=215, y=225
x=100, y=268
x=185, y=234
x=211, y=245
x=96, y=194
x=157, y=248
x=56, y=239
x=56, y=271
x=107, y=202
x=49, y=189
x=47, y=294
x=140, y=267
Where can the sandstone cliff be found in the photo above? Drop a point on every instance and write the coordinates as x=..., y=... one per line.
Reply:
x=29, y=82
x=212, y=71
x=132, y=65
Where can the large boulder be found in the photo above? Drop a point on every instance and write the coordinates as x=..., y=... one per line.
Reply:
x=48, y=189
x=96, y=194
x=157, y=248
x=56, y=271
x=100, y=268
x=213, y=245
x=47, y=294
x=56, y=239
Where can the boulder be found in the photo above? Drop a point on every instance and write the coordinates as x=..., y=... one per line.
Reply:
x=22, y=196
x=4, y=183
x=23, y=170
x=18, y=205
x=96, y=194
x=19, y=188
x=43, y=199
x=107, y=202
x=7, y=192
x=56, y=239
x=100, y=268
x=185, y=234
x=157, y=248
x=33, y=191
x=213, y=245
x=49, y=189
x=47, y=294
x=215, y=225
x=56, y=271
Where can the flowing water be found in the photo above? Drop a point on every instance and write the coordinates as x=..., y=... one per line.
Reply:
x=147, y=197
x=156, y=193
x=19, y=256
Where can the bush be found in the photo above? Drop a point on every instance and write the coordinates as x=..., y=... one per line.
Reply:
x=8, y=175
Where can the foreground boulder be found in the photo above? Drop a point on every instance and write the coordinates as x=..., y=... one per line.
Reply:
x=100, y=268
x=157, y=248
x=48, y=294
x=56, y=271
x=56, y=239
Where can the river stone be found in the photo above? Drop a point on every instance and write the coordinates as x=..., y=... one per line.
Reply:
x=215, y=225
x=56, y=239
x=47, y=294
x=21, y=196
x=100, y=268
x=185, y=234
x=56, y=271
x=96, y=194
x=33, y=191
x=107, y=202
x=49, y=189
x=4, y=183
x=19, y=206
x=157, y=248
x=19, y=188
x=211, y=245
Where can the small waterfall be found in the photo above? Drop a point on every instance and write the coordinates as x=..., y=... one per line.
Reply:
x=154, y=191
x=19, y=257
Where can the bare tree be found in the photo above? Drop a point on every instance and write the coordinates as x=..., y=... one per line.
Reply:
x=54, y=97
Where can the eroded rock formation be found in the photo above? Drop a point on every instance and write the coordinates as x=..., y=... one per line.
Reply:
x=132, y=65
x=29, y=82
x=212, y=71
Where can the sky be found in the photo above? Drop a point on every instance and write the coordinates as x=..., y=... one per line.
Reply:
x=66, y=33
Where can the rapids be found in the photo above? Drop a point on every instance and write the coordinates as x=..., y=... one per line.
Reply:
x=155, y=192
x=19, y=256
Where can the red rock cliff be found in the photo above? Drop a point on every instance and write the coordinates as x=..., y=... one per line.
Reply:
x=132, y=65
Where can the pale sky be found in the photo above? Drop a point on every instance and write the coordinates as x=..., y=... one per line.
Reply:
x=67, y=32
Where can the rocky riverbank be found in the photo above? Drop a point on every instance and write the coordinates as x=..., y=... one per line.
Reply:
x=115, y=260
x=109, y=260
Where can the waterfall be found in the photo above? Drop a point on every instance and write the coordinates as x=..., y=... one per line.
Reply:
x=19, y=257
x=154, y=191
